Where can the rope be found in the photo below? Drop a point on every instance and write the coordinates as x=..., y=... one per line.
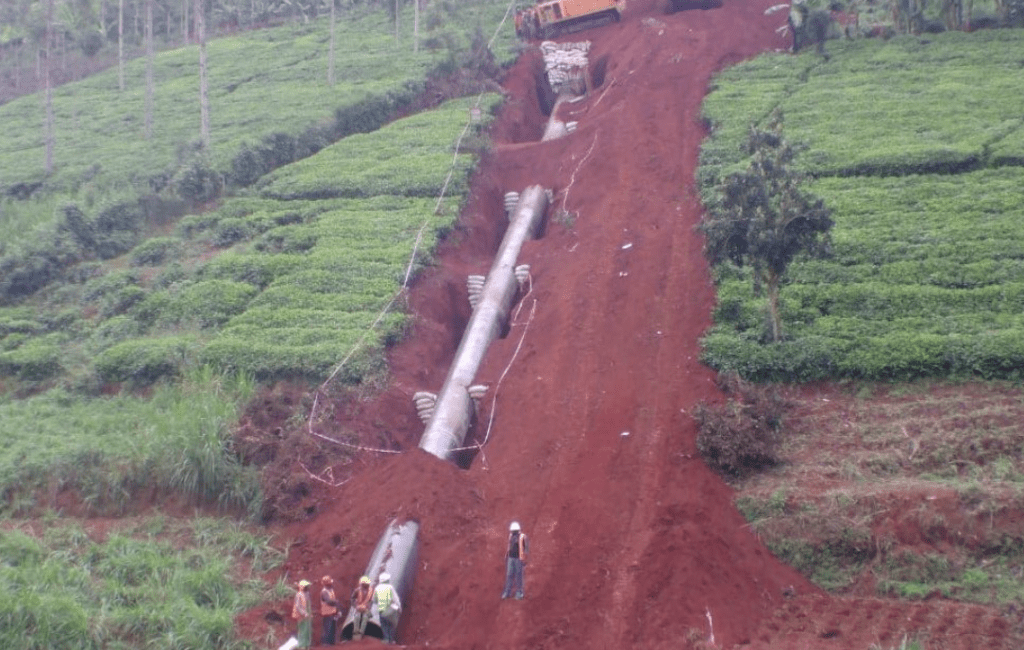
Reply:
x=515, y=353
x=572, y=179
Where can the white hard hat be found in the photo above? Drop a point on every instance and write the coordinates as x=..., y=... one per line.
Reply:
x=514, y=526
x=384, y=577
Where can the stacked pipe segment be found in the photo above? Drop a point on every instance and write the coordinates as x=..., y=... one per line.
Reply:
x=446, y=431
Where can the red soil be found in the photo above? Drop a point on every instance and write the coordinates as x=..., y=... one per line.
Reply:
x=636, y=544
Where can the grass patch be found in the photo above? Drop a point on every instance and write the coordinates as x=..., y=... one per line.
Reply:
x=107, y=450
x=923, y=491
x=63, y=589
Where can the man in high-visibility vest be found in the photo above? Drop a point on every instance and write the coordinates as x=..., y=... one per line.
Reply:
x=388, y=605
x=362, y=599
x=328, y=611
x=303, y=615
x=515, y=558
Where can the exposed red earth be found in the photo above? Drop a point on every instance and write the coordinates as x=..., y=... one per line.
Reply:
x=636, y=544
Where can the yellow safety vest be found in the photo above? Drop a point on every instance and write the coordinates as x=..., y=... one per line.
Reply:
x=383, y=595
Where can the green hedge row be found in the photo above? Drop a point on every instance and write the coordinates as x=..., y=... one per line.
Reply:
x=948, y=103
x=897, y=355
x=406, y=158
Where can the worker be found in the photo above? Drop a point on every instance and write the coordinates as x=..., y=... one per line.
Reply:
x=303, y=615
x=328, y=611
x=515, y=558
x=362, y=596
x=388, y=605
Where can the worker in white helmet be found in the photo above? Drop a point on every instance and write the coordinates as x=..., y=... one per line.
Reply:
x=515, y=558
x=388, y=605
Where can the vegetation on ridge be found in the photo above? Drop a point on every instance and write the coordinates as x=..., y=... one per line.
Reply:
x=926, y=274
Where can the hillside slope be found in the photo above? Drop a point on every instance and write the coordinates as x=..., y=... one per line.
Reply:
x=636, y=544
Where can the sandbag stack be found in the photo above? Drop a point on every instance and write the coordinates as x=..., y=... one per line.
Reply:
x=566, y=65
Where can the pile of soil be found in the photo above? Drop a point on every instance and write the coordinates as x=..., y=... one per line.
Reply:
x=636, y=544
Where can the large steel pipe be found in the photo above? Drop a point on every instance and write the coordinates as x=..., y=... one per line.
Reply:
x=447, y=428
x=396, y=553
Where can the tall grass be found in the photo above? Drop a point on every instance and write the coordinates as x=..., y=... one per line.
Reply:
x=108, y=449
x=132, y=590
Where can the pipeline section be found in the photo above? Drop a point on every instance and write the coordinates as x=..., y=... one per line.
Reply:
x=396, y=553
x=453, y=408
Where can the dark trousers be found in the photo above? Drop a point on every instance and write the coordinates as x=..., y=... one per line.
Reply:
x=330, y=629
x=387, y=625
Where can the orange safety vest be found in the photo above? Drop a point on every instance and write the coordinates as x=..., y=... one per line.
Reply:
x=325, y=609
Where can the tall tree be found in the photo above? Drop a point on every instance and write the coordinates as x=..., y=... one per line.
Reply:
x=49, y=90
x=149, y=70
x=416, y=26
x=764, y=219
x=120, y=45
x=330, y=54
x=204, y=95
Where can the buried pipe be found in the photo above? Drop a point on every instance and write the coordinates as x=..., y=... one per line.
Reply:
x=396, y=553
x=555, y=128
x=453, y=411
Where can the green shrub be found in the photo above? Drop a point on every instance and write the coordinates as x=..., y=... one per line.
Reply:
x=155, y=251
x=121, y=300
x=208, y=303
x=145, y=361
x=197, y=181
x=32, y=361
x=230, y=231
x=115, y=330
x=287, y=239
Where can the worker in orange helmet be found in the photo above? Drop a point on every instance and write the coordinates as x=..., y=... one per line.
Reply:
x=303, y=614
x=328, y=611
x=362, y=596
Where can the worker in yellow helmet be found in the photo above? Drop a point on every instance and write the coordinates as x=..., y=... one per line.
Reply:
x=388, y=605
x=362, y=597
x=302, y=612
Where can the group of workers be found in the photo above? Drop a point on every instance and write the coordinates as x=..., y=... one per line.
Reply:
x=365, y=601
x=383, y=598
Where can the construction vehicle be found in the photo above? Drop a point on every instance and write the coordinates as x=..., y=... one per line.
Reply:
x=549, y=18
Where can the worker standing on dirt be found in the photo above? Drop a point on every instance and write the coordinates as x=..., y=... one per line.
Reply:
x=388, y=605
x=362, y=596
x=328, y=611
x=515, y=558
x=303, y=615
